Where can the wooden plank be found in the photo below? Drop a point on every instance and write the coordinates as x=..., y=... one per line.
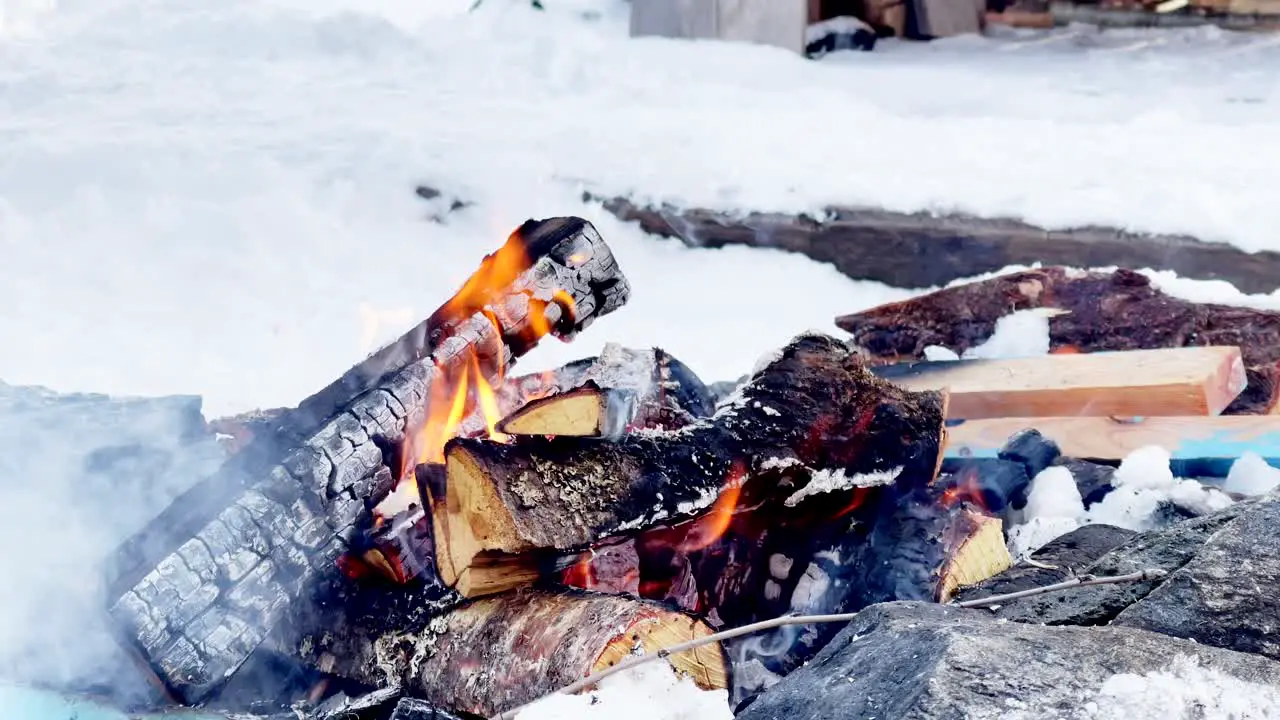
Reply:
x=1174, y=381
x=1198, y=445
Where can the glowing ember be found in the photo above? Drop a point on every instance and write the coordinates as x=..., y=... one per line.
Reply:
x=967, y=488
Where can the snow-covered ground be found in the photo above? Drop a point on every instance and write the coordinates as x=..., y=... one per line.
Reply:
x=216, y=198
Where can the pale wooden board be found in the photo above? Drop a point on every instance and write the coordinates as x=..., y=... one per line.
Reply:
x=1210, y=443
x=1177, y=381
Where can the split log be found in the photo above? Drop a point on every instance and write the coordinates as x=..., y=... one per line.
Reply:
x=811, y=422
x=620, y=391
x=1105, y=311
x=885, y=246
x=200, y=589
x=1176, y=381
x=1198, y=446
x=500, y=652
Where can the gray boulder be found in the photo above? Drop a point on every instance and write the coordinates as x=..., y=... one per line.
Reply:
x=1225, y=596
x=919, y=661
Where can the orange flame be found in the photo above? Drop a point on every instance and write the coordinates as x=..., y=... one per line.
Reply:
x=967, y=488
x=712, y=526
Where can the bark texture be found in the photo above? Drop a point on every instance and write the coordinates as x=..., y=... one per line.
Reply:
x=1104, y=311
x=810, y=423
x=198, y=590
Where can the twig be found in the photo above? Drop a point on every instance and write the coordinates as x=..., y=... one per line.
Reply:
x=1082, y=581
x=778, y=622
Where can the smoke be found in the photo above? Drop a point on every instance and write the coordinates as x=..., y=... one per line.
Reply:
x=78, y=474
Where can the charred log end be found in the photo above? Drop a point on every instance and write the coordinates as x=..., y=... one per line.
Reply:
x=581, y=412
x=975, y=550
x=704, y=665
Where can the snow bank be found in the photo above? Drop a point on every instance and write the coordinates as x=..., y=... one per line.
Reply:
x=1186, y=689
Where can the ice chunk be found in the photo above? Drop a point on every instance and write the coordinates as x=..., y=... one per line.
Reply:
x=1251, y=475
x=1054, y=494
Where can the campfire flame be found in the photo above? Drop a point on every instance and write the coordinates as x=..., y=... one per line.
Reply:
x=712, y=526
x=967, y=488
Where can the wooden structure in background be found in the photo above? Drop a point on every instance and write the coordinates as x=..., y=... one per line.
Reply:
x=780, y=23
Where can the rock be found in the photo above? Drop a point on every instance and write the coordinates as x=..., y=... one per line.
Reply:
x=1225, y=596
x=1167, y=549
x=919, y=661
x=1067, y=557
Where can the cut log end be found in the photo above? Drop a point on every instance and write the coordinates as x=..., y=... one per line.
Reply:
x=975, y=551
x=471, y=520
x=581, y=412
x=704, y=665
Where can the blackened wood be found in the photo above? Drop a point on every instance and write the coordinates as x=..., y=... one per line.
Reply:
x=620, y=391
x=810, y=422
x=923, y=250
x=198, y=590
x=415, y=709
x=501, y=652
x=1118, y=310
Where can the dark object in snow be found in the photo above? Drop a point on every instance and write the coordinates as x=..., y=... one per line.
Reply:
x=441, y=206
x=414, y=709
x=814, y=417
x=838, y=33
x=202, y=586
x=992, y=483
x=869, y=244
x=1033, y=450
x=1060, y=560
x=1092, y=479
x=913, y=661
x=1167, y=549
x=1225, y=595
x=1136, y=315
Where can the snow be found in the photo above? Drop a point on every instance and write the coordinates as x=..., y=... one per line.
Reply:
x=646, y=692
x=1251, y=475
x=1185, y=689
x=1020, y=334
x=1141, y=484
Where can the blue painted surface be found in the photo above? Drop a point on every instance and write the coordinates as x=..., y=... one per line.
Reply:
x=20, y=703
x=1208, y=456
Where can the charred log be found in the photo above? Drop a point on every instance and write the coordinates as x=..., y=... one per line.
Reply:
x=1136, y=315
x=501, y=652
x=811, y=422
x=198, y=590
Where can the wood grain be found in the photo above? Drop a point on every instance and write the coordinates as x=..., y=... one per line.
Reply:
x=1175, y=381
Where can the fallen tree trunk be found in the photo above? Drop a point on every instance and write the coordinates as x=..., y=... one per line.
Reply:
x=811, y=422
x=198, y=590
x=1136, y=315
x=886, y=246
x=500, y=652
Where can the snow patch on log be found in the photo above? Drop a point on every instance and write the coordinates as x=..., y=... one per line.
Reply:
x=823, y=481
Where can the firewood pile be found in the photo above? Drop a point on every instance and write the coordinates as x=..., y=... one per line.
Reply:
x=434, y=536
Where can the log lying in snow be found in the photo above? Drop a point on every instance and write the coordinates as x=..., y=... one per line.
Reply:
x=1135, y=315
x=811, y=422
x=1177, y=381
x=198, y=590
x=872, y=244
x=620, y=391
x=500, y=652
x=1199, y=446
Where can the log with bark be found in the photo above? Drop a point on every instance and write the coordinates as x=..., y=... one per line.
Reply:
x=875, y=244
x=202, y=586
x=1120, y=310
x=500, y=652
x=811, y=423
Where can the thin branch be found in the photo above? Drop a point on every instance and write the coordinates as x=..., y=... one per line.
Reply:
x=1082, y=581
x=778, y=622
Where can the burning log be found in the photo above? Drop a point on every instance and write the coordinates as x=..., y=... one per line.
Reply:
x=198, y=590
x=1136, y=315
x=620, y=391
x=1180, y=381
x=500, y=652
x=811, y=422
